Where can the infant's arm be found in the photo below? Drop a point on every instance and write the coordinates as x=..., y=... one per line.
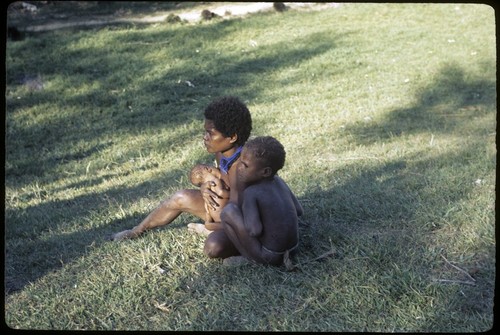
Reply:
x=251, y=215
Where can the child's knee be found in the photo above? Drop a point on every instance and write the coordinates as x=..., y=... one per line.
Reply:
x=213, y=249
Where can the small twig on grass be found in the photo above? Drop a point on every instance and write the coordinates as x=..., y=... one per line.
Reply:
x=330, y=159
x=455, y=281
x=459, y=269
x=290, y=267
x=149, y=43
x=161, y=307
x=471, y=282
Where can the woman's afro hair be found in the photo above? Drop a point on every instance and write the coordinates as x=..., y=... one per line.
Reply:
x=230, y=116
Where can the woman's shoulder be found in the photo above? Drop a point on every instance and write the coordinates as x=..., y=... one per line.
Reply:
x=217, y=158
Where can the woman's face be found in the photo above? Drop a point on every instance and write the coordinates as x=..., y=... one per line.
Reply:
x=214, y=140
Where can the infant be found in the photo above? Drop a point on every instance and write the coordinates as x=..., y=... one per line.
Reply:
x=201, y=174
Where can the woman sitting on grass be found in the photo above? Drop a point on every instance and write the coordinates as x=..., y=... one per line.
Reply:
x=227, y=127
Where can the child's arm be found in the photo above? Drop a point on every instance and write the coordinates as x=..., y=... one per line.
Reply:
x=298, y=206
x=296, y=202
x=251, y=215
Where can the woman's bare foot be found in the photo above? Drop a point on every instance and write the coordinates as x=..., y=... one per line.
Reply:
x=123, y=235
x=199, y=228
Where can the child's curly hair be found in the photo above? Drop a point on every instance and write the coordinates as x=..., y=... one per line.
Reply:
x=230, y=116
x=269, y=150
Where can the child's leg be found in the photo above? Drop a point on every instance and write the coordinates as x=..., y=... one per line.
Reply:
x=248, y=246
x=232, y=222
x=218, y=245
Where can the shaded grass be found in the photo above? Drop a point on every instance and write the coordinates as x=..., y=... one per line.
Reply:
x=388, y=116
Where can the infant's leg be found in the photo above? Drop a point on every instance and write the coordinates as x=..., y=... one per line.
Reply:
x=212, y=221
x=208, y=215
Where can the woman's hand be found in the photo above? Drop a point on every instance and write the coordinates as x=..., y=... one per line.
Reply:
x=220, y=188
x=209, y=195
x=213, y=190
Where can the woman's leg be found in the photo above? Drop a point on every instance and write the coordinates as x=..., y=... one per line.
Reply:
x=189, y=201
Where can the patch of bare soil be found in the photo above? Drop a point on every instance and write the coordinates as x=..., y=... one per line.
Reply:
x=37, y=17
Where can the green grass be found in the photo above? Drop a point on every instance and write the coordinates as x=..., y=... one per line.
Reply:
x=388, y=116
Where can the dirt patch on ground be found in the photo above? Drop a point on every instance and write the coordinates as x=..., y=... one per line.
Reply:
x=51, y=15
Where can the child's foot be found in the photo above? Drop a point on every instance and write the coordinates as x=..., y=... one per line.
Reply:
x=236, y=261
x=123, y=235
x=288, y=262
x=198, y=228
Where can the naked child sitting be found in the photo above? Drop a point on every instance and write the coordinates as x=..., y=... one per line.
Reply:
x=201, y=174
x=263, y=226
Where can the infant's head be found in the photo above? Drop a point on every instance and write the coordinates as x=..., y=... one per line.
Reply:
x=200, y=174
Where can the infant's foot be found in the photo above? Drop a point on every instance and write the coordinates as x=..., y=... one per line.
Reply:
x=198, y=228
x=123, y=235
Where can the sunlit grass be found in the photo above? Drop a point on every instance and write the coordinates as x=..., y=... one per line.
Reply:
x=388, y=116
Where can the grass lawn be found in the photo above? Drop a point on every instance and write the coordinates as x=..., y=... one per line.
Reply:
x=388, y=116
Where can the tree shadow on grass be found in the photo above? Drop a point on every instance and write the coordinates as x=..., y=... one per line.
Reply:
x=390, y=213
x=390, y=195
x=109, y=90
x=33, y=250
x=107, y=93
x=455, y=103
x=390, y=221
x=454, y=99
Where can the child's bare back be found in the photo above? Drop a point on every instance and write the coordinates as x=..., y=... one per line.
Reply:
x=264, y=224
x=271, y=212
x=201, y=174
